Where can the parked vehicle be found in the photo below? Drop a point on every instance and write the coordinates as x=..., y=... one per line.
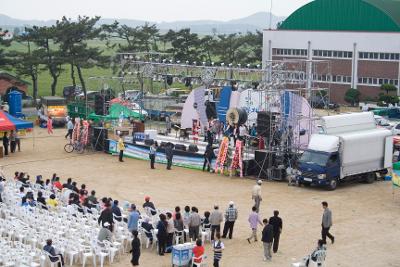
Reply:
x=382, y=122
x=350, y=148
x=55, y=107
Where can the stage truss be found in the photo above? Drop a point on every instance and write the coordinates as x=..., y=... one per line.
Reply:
x=305, y=78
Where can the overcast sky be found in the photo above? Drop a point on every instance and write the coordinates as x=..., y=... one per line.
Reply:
x=149, y=10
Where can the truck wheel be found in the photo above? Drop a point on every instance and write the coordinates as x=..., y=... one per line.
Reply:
x=332, y=184
x=370, y=177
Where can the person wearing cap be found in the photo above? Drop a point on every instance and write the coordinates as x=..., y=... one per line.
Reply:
x=256, y=195
x=133, y=219
x=231, y=215
x=104, y=233
x=149, y=205
x=216, y=219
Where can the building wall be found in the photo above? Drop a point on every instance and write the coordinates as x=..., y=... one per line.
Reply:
x=6, y=84
x=361, y=60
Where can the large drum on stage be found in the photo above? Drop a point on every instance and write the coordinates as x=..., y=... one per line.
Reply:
x=236, y=116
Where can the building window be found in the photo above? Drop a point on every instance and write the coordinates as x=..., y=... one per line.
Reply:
x=379, y=56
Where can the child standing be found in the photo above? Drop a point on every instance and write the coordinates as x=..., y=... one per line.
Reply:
x=218, y=246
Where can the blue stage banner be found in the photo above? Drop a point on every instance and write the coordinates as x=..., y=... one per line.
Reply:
x=223, y=104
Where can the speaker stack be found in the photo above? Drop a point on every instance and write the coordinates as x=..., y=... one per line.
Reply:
x=263, y=123
x=99, y=139
x=99, y=102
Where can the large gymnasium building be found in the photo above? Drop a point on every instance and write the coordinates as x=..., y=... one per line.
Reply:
x=360, y=38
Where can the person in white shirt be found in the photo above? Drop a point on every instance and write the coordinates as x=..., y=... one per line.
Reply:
x=70, y=128
x=256, y=195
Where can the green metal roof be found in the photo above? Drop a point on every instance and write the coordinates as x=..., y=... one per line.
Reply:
x=346, y=15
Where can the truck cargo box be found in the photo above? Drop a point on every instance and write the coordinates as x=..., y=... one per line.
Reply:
x=364, y=151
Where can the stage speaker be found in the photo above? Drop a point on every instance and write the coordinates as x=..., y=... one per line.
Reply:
x=148, y=142
x=250, y=167
x=211, y=110
x=180, y=147
x=193, y=148
x=99, y=105
x=100, y=135
x=263, y=124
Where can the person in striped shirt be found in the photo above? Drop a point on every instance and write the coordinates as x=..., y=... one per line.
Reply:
x=218, y=246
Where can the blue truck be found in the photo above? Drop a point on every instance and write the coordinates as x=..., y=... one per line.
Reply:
x=349, y=147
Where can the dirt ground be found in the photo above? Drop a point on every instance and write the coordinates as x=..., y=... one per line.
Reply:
x=366, y=216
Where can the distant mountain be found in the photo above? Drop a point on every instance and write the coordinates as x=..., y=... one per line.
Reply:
x=257, y=21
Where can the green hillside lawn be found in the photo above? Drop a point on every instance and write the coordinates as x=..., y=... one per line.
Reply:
x=44, y=81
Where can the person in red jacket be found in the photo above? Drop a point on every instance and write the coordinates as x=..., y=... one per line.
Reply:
x=198, y=251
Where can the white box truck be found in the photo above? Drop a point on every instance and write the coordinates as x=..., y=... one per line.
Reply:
x=349, y=147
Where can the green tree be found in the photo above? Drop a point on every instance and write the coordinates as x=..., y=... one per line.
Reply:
x=228, y=48
x=27, y=63
x=4, y=60
x=185, y=46
x=72, y=38
x=388, y=88
x=352, y=96
x=52, y=59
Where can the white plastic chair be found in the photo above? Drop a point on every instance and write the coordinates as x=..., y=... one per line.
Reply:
x=320, y=261
x=206, y=233
x=53, y=263
x=101, y=253
x=201, y=259
x=87, y=252
x=179, y=237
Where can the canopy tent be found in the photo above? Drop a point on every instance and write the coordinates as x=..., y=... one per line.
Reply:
x=8, y=122
x=116, y=111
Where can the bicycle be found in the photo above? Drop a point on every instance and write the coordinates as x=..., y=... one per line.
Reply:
x=78, y=146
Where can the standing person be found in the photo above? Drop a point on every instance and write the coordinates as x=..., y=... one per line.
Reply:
x=276, y=222
x=49, y=125
x=170, y=232
x=162, y=234
x=208, y=156
x=18, y=141
x=121, y=148
x=70, y=129
x=198, y=252
x=231, y=214
x=218, y=246
x=133, y=219
x=135, y=249
x=169, y=154
x=254, y=220
x=13, y=141
x=256, y=195
x=216, y=219
x=267, y=238
x=194, y=224
x=326, y=223
x=152, y=154
x=5, y=143
x=107, y=216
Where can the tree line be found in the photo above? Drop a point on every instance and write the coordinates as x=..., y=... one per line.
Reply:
x=65, y=44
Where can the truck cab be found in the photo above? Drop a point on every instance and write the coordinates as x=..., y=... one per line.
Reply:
x=320, y=163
